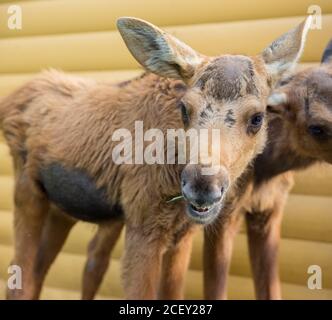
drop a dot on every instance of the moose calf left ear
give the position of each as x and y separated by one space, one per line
283 54
327 55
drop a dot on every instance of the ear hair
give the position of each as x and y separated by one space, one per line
277 98
327 55
283 54
276 104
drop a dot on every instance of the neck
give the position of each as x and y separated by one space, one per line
279 155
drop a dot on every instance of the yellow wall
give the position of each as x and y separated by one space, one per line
79 36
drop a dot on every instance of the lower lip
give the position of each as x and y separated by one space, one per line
204 217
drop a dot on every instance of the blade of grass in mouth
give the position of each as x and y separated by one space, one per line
177 198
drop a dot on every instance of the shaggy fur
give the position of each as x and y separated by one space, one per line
43 124
59 130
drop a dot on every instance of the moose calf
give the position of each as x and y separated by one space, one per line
60 129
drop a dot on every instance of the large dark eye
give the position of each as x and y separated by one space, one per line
317 131
185 115
255 122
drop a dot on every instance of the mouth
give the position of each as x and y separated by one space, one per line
203 215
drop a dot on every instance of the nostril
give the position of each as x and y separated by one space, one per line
183 182
222 190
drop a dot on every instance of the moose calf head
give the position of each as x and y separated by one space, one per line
304 100
228 93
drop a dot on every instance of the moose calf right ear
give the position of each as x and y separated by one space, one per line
327 55
283 54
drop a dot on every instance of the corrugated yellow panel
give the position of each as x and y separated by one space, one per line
316 180
308 218
105 50
6 227
14 1
6 192
71 16
5 162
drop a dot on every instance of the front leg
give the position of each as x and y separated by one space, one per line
218 248
263 230
174 267
142 263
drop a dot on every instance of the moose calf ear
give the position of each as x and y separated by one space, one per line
327 55
158 51
277 102
283 54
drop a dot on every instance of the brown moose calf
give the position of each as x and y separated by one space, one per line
60 131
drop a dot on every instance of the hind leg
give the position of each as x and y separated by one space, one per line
55 232
99 252
31 207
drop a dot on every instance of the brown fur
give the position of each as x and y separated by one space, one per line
57 119
49 129
233 84
49 114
